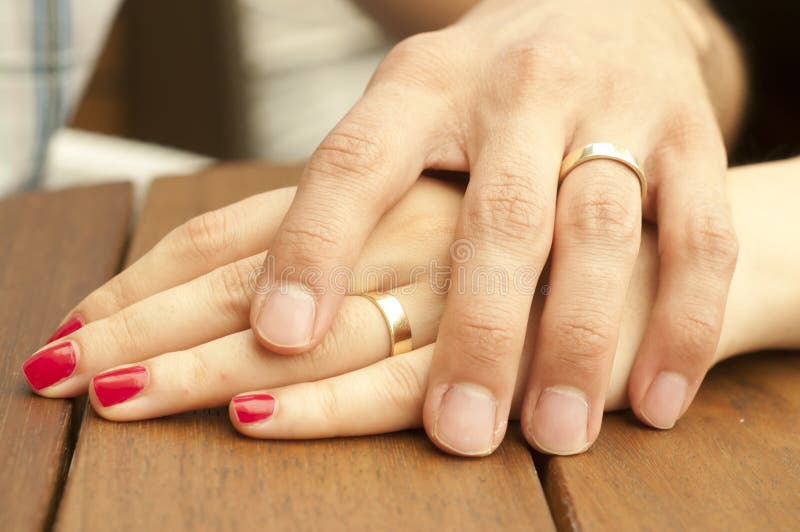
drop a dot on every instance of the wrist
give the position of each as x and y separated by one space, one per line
763 310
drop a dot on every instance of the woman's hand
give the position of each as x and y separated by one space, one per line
505 93
171 332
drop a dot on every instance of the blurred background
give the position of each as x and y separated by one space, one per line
217 76
190 74
192 81
232 79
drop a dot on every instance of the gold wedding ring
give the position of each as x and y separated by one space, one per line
396 320
603 150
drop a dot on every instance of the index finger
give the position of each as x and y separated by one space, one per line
359 171
192 249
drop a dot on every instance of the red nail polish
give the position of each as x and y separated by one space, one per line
119 385
50 365
68 327
253 407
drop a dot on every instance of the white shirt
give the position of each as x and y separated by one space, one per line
305 64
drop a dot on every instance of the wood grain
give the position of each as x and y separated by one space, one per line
732 463
56 247
193 472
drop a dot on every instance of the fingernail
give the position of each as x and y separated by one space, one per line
559 421
68 327
119 385
287 317
466 421
664 400
50 365
253 407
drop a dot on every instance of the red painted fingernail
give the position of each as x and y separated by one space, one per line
50 365
253 407
119 385
68 327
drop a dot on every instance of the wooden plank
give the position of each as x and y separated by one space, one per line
732 463
56 247
193 472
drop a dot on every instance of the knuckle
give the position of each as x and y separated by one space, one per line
689 123
484 341
116 293
415 47
350 151
328 400
535 71
712 237
309 240
602 212
340 339
206 235
419 60
230 285
582 342
199 371
127 329
507 206
405 385
697 332
320 357
690 130
538 59
531 57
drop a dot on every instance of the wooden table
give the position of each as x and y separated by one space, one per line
732 463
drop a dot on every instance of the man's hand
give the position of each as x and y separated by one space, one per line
505 93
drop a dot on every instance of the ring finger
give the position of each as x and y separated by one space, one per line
210 374
205 308
597 235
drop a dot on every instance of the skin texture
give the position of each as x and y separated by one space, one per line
505 93
723 68
190 348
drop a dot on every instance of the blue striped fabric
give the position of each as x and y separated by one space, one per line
52 46
47 52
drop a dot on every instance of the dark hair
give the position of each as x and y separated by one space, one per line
770 36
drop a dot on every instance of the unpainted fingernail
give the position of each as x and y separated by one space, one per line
466 420
253 407
663 402
559 421
286 318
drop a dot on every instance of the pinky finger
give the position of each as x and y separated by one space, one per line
384 397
